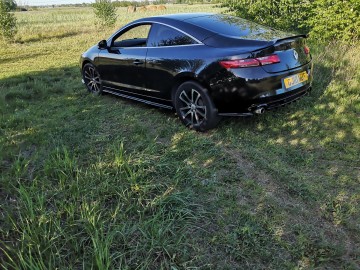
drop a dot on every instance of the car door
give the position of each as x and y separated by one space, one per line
122 66
170 52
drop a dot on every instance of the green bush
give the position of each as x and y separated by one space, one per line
7 21
105 13
324 19
281 14
338 20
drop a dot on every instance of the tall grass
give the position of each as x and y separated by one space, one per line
101 217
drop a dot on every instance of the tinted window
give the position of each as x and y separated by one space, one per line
235 27
161 35
134 37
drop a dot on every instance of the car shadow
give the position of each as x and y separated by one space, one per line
47 110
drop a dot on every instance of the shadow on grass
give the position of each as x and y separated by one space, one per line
312 145
42 36
62 149
21 57
53 107
51 125
312 130
307 154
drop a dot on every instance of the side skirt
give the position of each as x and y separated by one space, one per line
236 114
116 93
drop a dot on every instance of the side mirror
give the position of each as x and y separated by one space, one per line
103 44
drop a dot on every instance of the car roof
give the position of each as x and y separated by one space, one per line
220 30
179 21
179 16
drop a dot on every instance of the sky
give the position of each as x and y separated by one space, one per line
50 2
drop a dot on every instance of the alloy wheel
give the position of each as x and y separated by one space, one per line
92 79
193 109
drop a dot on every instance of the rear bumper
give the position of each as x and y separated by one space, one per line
245 90
262 106
285 100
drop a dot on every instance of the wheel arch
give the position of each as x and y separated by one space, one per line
184 77
86 61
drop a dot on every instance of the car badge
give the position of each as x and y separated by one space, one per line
296 55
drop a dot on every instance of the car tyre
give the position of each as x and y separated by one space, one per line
194 106
92 79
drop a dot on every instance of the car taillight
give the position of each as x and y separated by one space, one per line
306 50
251 62
240 63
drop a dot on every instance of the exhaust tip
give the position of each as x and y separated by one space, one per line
260 110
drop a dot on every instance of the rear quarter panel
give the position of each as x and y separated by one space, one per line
165 65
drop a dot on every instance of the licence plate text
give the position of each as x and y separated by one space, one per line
295 79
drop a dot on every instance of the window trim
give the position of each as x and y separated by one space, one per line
124 30
194 41
133 25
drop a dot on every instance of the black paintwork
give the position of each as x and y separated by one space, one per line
152 74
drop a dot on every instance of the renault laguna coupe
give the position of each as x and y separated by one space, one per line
202 65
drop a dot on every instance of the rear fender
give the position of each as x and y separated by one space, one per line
186 76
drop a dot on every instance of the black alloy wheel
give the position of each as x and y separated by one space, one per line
194 107
92 79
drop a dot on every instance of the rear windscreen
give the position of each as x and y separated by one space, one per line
236 27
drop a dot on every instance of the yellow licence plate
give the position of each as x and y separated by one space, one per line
296 79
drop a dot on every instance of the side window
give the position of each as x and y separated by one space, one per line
162 35
134 37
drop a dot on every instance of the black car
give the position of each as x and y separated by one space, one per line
203 65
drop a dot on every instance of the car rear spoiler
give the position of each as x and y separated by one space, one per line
273 42
291 37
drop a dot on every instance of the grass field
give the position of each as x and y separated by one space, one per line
93 182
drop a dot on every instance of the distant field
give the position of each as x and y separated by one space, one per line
104 183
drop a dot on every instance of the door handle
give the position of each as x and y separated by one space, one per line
138 62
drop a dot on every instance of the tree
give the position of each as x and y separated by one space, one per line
7 21
105 12
10 5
